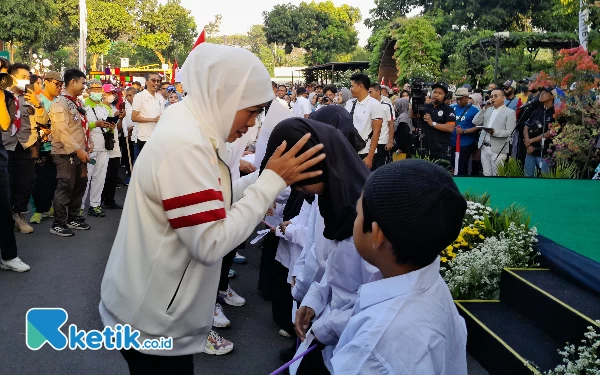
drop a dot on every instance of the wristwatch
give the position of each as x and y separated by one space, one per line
434 124
464 131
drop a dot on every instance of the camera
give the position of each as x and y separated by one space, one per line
326 99
6 81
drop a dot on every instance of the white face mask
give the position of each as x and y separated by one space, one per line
110 99
96 96
21 83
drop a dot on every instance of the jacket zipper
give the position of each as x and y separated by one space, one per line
178 285
230 179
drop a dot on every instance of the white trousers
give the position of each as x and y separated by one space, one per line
491 161
96 178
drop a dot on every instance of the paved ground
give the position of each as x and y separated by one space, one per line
66 272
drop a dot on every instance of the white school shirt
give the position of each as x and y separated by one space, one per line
364 113
277 217
150 106
302 107
333 297
384 137
127 122
293 241
404 325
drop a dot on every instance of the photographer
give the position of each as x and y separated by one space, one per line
21 142
329 97
367 116
110 98
8 244
438 123
537 136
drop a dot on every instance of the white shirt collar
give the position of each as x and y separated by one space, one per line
499 108
364 101
378 290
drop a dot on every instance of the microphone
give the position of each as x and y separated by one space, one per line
529 103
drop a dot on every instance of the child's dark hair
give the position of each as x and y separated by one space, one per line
409 198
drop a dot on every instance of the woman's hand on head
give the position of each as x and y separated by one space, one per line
291 167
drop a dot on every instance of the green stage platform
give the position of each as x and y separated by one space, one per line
565 211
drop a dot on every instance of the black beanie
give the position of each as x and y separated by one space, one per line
418 207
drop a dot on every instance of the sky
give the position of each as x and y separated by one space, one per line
239 15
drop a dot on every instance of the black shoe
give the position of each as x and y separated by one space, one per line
62 231
287 355
78 224
113 206
96 211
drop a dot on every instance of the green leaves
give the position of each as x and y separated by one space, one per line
418 50
322 29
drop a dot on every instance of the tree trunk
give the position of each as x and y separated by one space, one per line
11 50
30 56
160 57
94 61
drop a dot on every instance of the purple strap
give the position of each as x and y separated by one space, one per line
280 370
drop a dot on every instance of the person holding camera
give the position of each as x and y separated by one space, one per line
101 133
537 135
71 145
8 243
329 95
21 142
111 98
438 123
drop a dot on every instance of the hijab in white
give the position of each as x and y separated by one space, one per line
221 80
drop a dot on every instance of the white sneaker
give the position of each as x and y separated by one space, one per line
217 345
230 297
15 264
220 320
283 333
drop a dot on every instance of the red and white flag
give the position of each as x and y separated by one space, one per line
175 73
457 154
201 39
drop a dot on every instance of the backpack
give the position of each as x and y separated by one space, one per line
357 140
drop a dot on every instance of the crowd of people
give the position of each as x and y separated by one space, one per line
346 254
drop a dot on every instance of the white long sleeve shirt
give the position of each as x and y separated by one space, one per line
293 241
334 296
403 325
178 222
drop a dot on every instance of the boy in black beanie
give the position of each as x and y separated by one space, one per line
405 321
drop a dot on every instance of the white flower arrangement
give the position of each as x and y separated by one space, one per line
584 360
475 274
475 211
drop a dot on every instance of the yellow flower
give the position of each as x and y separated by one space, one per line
463 243
482 237
456 246
449 248
444 260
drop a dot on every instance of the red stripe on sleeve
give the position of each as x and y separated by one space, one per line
192 199
199 218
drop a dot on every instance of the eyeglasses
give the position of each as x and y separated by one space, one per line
496 96
154 80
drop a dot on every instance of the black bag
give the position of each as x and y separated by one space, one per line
356 140
109 140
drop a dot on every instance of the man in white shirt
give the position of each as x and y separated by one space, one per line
386 139
498 125
128 125
280 93
367 115
147 108
302 106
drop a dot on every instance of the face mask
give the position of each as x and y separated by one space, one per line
96 96
21 83
110 98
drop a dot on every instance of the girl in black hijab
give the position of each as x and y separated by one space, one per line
344 173
340 119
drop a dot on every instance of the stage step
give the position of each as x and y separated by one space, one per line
538 312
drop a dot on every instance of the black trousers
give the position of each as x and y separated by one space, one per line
144 364
225 266
267 258
141 144
313 363
464 157
8 243
21 174
45 182
281 304
71 181
126 156
380 157
110 183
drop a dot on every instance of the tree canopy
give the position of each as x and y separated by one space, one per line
322 29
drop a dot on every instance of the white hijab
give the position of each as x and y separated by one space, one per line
220 80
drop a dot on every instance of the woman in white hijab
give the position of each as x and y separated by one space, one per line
180 218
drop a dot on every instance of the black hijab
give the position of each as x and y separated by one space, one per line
344 173
339 118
